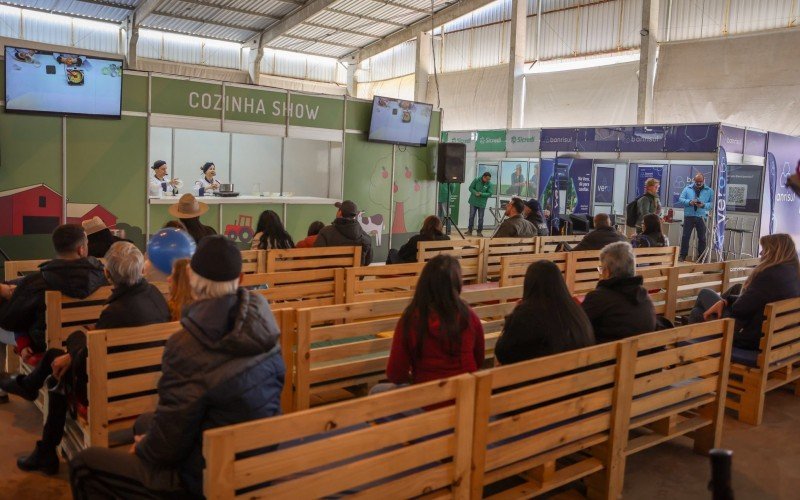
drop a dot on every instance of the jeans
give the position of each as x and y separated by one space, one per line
472 211
690 223
6 338
705 299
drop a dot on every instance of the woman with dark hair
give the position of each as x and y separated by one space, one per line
651 235
207 181
313 231
270 233
546 321
189 210
432 230
438 335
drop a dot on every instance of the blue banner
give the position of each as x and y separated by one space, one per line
772 173
693 138
580 174
782 157
558 139
755 143
644 172
720 213
732 139
681 176
604 185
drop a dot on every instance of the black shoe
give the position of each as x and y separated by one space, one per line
42 459
11 385
3 398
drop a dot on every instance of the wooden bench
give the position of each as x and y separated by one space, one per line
513 268
547 244
411 442
253 261
310 287
381 282
716 276
14 269
497 248
302 259
469 253
582 274
775 364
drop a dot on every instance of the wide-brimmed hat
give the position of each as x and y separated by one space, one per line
188 207
93 225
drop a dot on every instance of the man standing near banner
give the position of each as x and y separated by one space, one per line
480 191
697 199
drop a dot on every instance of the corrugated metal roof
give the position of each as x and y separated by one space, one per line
78 9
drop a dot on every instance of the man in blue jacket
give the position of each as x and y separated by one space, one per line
697 199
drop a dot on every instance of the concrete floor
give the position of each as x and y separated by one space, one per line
766 458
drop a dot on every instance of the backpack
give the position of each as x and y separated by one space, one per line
632 212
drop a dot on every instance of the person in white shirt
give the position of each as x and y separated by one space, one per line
207 182
160 181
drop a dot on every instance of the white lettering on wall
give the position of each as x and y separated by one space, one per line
250 105
193 98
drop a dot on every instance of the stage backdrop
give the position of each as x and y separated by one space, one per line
781 207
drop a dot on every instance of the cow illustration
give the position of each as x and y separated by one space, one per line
372 224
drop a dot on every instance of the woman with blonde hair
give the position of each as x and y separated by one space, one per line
777 277
180 291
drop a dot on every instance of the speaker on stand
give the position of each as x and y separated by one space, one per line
450 165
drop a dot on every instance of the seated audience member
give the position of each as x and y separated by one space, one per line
133 302
189 210
224 367
163 249
346 231
777 277
438 335
176 224
313 231
602 235
72 273
515 225
651 235
100 237
180 291
546 321
619 307
432 230
270 233
533 213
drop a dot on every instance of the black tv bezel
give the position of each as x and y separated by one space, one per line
61 113
381 141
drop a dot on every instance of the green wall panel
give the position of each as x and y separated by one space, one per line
233 214
358 114
134 93
186 98
255 105
30 150
298 218
314 111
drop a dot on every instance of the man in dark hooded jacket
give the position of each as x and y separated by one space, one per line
620 306
346 231
224 367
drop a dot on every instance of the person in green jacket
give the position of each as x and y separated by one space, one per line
480 191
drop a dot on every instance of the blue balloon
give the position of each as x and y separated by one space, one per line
167 246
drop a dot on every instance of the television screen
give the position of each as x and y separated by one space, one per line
400 122
62 83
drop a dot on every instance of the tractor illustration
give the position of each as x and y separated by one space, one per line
243 231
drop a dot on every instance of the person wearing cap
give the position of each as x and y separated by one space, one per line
207 182
223 367
100 237
189 210
346 231
480 191
160 181
533 213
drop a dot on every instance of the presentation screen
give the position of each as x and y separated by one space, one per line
61 83
396 121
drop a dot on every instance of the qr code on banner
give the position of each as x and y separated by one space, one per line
737 195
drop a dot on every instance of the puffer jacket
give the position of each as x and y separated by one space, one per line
619 308
224 367
598 238
516 226
346 232
24 313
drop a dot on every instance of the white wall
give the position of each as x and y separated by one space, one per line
471 100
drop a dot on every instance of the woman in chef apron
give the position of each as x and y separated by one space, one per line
207 181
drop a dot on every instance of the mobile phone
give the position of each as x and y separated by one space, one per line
50 69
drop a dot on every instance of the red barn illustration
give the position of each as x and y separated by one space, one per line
37 209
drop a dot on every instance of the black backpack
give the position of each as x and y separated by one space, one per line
632 212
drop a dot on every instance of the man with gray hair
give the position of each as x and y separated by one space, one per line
133 302
619 307
223 367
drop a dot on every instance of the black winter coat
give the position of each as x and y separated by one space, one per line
599 238
24 313
346 232
770 285
408 252
619 308
224 367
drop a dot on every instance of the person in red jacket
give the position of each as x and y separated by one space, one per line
438 335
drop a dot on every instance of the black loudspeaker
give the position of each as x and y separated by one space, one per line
452 158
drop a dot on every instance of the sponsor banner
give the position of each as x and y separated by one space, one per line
604 185
744 188
755 143
682 176
491 141
559 139
467 138
523 140
580 174
783 152
721 206
692 138
644 172
643 139
601 140
732 139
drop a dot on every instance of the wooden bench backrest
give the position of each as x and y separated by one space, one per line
468 252
113 354
301 259
253 261
381 282
513 268
384 446
14 269
529 414
780 343
317 287
547 244
497 248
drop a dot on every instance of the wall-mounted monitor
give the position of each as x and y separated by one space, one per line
397 121
62 83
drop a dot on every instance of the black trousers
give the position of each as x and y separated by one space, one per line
97 473
57 402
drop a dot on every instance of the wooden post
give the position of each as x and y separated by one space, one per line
339 285
571 269
261 261
726 276
673 275
711 436
483 396
465 419
97 364
219 481
483 260
350 280
302 390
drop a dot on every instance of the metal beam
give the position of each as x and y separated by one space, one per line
366 18
406 7
204 21
297 17
319 40
341 30
143 10
105 3
225 8
443 16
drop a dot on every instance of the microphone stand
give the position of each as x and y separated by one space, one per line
447 219
497 228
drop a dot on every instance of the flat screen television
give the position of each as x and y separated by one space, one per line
397 121
62 83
